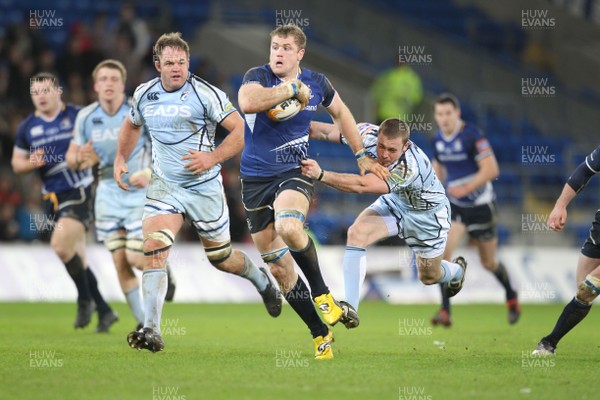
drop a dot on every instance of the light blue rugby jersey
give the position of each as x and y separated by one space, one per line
179 121
413 184
93 123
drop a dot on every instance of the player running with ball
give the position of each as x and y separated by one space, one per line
275 194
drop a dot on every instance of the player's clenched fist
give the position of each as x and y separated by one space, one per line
557 218
367 163
303 94
311 168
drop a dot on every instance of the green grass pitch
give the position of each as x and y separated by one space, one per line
236 351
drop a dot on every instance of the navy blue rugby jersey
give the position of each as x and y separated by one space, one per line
54 137
271 147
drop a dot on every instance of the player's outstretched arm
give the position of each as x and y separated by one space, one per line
324 131
254 98
347 126
128 137
351 183
232 145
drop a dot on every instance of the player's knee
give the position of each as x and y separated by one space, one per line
428 278
218 255
157 244
588 290
289 224
63 248
489 263
134 252
115 241
357 235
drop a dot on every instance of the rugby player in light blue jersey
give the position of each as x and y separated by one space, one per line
465 163
118 215
413 206
275 194
42 142
181 112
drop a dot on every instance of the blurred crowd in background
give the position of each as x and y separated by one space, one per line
25 51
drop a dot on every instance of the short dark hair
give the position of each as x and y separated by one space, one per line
448 98
172 39
395 127
293 30
44 76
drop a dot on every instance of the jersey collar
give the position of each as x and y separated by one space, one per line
62 108
459 128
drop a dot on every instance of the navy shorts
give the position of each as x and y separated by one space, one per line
258 195
480 220
75 203
591 247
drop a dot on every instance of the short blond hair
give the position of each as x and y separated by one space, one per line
112 64
172 39
393 128
293 30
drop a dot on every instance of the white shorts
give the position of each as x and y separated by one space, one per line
116 209
204 205
425 232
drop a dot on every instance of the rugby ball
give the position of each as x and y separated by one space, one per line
285 110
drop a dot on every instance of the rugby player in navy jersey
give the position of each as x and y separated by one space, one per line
464 161
42 142
181 112
275 194
588 266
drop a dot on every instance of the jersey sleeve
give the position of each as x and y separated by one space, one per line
403 175
593 161
326 88
79 137
479 146
217 102
256 75
22 140
135 115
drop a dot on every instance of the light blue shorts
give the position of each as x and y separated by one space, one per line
425 232
204 205
116 209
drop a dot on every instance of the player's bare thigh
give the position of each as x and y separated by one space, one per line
368 228
170 223
587 265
